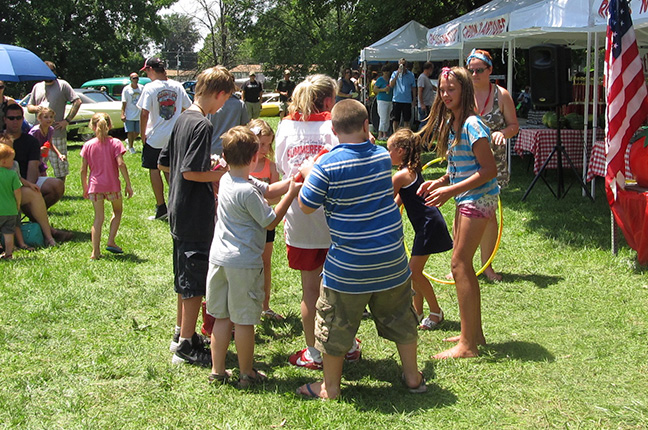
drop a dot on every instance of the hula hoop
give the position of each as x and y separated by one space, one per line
497 242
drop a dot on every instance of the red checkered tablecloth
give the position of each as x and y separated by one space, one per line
540 143
596 165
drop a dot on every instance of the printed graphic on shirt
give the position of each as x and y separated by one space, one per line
167 102
136 97
298 154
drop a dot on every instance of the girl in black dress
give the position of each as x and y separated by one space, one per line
431 232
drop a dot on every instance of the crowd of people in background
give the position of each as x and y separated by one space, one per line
324 174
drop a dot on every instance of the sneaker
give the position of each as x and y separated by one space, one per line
203 342
175 342
160 212
186 353
354 354
300 359
132 150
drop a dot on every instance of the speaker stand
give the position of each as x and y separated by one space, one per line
558 149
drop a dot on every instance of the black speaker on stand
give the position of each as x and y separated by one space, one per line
551 87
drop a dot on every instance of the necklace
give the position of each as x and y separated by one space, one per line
490 91
202 111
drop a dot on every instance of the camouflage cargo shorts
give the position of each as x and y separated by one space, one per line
339 315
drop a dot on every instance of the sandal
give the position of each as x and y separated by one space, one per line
429 324
422 388
5 256
25 247
247 381
220 379
272 315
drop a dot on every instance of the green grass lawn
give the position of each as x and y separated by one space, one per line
85 343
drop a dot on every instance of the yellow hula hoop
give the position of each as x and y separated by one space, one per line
497 243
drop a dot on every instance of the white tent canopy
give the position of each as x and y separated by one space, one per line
409 42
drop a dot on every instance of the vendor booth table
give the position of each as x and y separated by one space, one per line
541 141
596 166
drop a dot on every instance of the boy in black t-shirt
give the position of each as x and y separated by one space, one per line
192 209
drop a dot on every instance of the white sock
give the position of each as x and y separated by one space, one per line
313 353
184 338
176 330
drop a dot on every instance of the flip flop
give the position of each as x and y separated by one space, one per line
310 395
115 249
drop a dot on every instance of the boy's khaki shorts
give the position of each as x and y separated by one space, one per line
339 315
236 294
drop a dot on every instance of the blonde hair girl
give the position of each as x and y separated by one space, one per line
103 158
266 171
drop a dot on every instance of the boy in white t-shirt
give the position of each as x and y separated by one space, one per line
235 290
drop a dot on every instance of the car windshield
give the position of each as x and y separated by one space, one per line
94 97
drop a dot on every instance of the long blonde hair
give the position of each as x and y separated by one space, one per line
308 97
261 128
100 123
441 118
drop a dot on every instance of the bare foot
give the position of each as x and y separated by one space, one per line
5 256
481 341
314 390
50 242
490 274
95 257
457 351
25 247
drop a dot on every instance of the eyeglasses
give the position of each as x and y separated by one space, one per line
478 71
13 118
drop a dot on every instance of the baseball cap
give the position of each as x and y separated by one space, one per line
251 73
153 62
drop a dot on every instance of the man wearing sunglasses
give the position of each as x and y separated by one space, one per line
28 156
55 94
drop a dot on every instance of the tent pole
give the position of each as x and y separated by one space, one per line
509 87
588 63
595 96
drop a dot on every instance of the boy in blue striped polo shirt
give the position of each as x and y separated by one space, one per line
366 263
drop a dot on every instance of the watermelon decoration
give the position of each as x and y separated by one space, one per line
639 161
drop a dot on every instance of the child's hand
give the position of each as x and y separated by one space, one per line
294 187
128 190
426 188
438 196
62 157
85 193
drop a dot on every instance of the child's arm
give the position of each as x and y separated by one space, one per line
277 189
60 156
400 179
284 204
18 196
274 178
427 186
84 177
207 176
487 171
124 171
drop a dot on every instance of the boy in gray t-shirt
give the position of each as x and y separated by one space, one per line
235 279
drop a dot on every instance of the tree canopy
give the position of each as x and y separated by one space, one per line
86 39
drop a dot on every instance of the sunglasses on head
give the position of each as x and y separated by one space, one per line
478 70
13 118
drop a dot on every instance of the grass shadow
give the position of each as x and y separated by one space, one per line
515 350
540 281
126 256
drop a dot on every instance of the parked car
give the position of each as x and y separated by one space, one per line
270 104
190 88
114 86
92 101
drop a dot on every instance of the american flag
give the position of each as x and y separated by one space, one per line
627 99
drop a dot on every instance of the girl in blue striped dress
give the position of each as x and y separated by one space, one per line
464 140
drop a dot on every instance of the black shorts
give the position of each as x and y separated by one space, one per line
190 266
150 157
270 236
401 109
